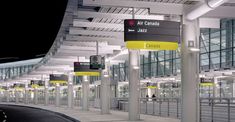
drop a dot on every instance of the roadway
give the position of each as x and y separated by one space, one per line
14 113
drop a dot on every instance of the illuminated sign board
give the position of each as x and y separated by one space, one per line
209 81
37 83
151 34
58 78
83 69
97 62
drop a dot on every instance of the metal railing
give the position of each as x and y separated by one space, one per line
211 109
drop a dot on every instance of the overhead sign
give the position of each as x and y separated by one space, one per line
151 85
19 86
3 88
37 83
209 81
58 78
97 62
83 69
151 34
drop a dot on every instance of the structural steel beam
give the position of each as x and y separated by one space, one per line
155 7
77 23
77 31
111 41
91 14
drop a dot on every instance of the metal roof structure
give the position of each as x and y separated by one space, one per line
87 22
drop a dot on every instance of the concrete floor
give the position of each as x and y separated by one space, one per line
93 115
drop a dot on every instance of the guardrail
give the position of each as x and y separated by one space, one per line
211 109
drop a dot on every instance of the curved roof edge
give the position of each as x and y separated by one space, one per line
20 63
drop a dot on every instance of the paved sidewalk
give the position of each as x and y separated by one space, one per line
94 115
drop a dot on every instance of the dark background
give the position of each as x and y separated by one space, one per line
29 27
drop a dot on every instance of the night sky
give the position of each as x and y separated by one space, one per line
29 27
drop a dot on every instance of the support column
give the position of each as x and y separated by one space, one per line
46 93
57 97
26 92
35 96
134 85
7 96
105 92
85 93
233 89
70 91
16 96
26 96
190 73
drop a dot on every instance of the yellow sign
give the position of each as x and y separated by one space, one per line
87 73
58 81
19 88
1 89
152 87
36 86
207 84
152 45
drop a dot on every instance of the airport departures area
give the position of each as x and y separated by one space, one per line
111 56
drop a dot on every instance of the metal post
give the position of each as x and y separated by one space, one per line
190 73
35 96
85 93
134 81
154 106
16 96
212 109
7 96
229 110
168 107
105 91
26 96
57 99
46 92
70 91
146 107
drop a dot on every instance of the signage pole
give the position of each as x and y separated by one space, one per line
190 73
85 93
16 96
46 92
57 90
70 90
7 94
105 90
134 81
26 93
35 96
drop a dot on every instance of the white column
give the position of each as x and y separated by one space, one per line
46 92
7 96
134 85
233 89
16 96
105 92
26 96
85 93
57 97
70 91
26 92
190 73
35 96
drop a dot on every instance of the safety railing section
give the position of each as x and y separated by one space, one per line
211 109
217 109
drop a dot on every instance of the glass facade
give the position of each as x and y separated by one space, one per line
217 52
